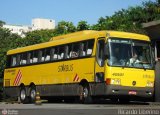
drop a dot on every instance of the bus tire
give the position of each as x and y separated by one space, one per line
23 95
85 96
32 94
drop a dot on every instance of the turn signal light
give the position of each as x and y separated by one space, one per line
150 84
108 81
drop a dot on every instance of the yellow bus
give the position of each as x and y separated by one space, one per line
86 64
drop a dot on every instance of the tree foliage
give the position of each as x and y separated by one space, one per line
1 23
38 36
8 41
130 19
82 25
64 27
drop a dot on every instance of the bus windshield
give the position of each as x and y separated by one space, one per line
130 53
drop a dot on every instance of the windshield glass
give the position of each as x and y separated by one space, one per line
130 53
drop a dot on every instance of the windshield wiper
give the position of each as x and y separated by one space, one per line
143 64
124 65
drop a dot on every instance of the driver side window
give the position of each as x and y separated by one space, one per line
100 52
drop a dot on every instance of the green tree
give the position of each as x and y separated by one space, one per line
1 23
8 41
64 27
82 25
130 19
38 36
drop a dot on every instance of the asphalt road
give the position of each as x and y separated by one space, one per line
80 109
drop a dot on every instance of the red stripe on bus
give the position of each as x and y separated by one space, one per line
76 78
18 75
18 78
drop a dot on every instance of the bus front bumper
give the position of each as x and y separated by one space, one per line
146 92
103 90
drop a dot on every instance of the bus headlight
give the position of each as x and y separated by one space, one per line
116 81
150 84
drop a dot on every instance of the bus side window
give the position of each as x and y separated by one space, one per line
35 56
18 59
55 56
61 52
29 57
47 55
66 48
23 59
82 49
68 53
52 53
9 61
75 50
100 52
90 44
13 60
41 55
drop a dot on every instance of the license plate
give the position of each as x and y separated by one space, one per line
132 93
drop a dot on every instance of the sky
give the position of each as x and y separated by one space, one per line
21 12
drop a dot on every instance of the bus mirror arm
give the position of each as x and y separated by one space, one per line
153 56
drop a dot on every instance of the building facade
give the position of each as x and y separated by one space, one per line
37 24
18 29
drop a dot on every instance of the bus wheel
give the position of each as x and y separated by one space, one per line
32 94
85 96
23 96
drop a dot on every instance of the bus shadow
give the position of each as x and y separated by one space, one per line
101 101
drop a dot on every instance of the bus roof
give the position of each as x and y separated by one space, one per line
78 36
75 34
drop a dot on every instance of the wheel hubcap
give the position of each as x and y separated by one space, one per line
33 93
85 92
23 94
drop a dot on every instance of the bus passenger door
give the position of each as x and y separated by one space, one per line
99 67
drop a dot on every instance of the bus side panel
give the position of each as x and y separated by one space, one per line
67 77
11 91
52 79
59 90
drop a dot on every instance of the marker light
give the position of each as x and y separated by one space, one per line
116 81
108 81
150 84
113 81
